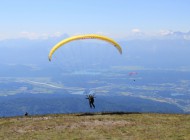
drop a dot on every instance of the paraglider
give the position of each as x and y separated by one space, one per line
90 97
133 74
79 37
91 100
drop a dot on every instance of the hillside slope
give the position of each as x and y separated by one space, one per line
96 126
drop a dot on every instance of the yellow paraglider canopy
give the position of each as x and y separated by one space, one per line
88 36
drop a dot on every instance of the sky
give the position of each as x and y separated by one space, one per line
117 18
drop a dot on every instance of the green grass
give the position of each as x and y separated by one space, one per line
96 126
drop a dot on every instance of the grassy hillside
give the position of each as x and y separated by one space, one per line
96 126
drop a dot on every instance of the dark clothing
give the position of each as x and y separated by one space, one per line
26 114
91 101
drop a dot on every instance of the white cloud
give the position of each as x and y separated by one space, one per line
35 35
29 35
174 34
165 32
136 31
56 34
186 37
98 32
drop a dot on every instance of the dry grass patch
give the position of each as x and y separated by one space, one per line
97 126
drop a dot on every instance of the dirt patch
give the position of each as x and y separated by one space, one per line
95 124
105 123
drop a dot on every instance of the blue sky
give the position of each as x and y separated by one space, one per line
114 17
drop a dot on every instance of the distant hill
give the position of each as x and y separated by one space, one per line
36 104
